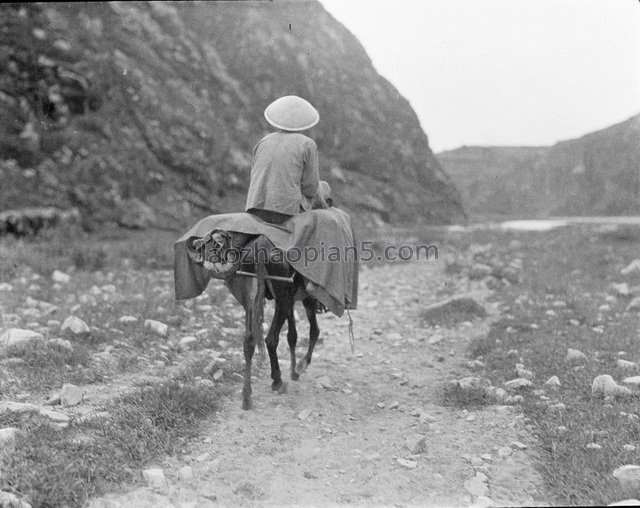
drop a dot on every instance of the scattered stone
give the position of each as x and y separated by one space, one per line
304 414
75 326
633 380
575 355
605 386
518 445
9 500
435 339
19 337
620 289
218 374
476 487
5 286
552 382
522 372
469 383
188 341
324 382
60 344
633 267
127 320
155 478
574 322
476 461
504 451
551 313
416 444
60 277
517 384
628 476
594 446
205 457
71 395
634 305
625 364
487 457
394 405
58 419
629 448
7 435
157 327
185 473
409 464
559 406
604 308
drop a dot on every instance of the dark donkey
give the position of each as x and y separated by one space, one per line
286 286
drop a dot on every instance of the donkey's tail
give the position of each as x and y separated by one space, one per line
257 312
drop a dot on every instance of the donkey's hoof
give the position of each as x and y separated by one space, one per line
301 367
283 388
276 386
294 375
246 404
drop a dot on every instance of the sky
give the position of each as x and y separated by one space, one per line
504 72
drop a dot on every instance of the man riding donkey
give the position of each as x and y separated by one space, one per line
288 210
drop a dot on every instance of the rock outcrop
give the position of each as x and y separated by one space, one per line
596 174
146 113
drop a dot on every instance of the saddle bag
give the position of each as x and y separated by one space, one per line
220 252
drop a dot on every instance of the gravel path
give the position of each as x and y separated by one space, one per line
349 432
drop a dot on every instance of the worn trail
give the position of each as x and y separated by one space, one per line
350 430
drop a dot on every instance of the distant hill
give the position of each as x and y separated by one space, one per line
144 114
596 174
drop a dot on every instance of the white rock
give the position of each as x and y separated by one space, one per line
71 395
629 447
304 414
154 478
75 326
628 476
505 451
516 384
476 487
625 364
60 277
633 380
594 446
518 445
9 500
157 327
575 355
60 344
188 341
185 473
7 435
469 383
409 464
620 289
218 374
633 267
605 386
5 286
626 502
552 382
324 382
522 372
127 319
416 444
559 406
634 305
19 337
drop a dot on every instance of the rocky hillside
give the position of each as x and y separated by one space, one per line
597 174
146 113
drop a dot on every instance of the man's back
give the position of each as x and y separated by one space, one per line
283 170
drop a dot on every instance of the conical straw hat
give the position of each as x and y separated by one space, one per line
291 113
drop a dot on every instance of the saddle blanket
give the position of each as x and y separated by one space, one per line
318 244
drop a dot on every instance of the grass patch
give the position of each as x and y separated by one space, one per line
50 467
559 305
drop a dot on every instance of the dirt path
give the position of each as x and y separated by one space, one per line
338 436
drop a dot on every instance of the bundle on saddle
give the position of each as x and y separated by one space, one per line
318 244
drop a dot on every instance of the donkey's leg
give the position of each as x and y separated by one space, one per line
283 302
292 339
249 347
314 333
